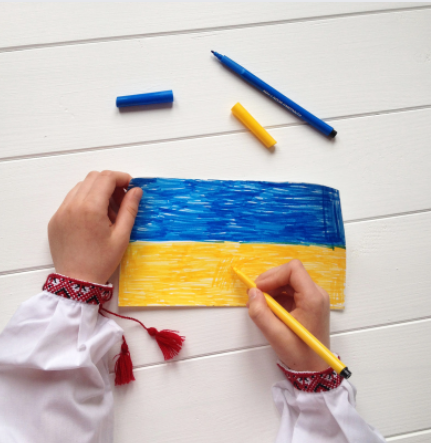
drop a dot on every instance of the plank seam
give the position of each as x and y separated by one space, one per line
370 219
389 216
248 348
359 115
22 48
29 269
203 136
388 325
200 356
399 437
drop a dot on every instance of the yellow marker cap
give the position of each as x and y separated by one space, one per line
249 122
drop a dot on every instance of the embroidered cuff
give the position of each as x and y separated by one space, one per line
84 292
312 381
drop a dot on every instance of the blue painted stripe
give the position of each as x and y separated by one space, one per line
238 211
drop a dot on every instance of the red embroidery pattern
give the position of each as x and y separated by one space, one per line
312 381
77 290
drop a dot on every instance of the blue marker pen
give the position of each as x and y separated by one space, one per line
311 119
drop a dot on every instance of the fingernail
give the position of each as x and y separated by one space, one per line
252 293
138 194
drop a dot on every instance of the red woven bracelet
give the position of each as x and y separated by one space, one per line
312 381
78 290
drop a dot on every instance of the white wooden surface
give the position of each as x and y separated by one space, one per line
414 437
228 398
28 26
366 67
66 94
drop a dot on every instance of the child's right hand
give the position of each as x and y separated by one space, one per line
291 285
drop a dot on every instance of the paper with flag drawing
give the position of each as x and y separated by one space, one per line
189 233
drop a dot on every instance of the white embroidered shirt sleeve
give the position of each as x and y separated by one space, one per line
324 415
54 376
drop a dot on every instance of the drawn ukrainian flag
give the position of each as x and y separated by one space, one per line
189 233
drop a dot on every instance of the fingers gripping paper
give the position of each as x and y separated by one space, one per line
189 233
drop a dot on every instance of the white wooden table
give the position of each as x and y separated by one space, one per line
365 68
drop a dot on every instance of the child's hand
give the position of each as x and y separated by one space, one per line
90 231
294 289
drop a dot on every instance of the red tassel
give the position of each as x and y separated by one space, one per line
124 366
169 341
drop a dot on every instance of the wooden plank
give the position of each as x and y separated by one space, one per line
416 437
378 280
387 267
16 289
228 397
379 166
63 98
37 24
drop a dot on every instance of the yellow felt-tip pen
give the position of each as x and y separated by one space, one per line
299 330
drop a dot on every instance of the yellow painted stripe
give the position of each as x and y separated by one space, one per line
200 273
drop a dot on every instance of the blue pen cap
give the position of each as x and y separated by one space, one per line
151 98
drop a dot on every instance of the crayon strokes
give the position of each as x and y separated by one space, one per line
200 273
189 233
238 211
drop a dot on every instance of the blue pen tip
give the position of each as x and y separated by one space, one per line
219 56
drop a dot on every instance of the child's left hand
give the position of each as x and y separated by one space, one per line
91 230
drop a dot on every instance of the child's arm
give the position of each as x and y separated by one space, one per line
315 404
54 378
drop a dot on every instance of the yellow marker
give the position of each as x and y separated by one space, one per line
248 121
300 331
